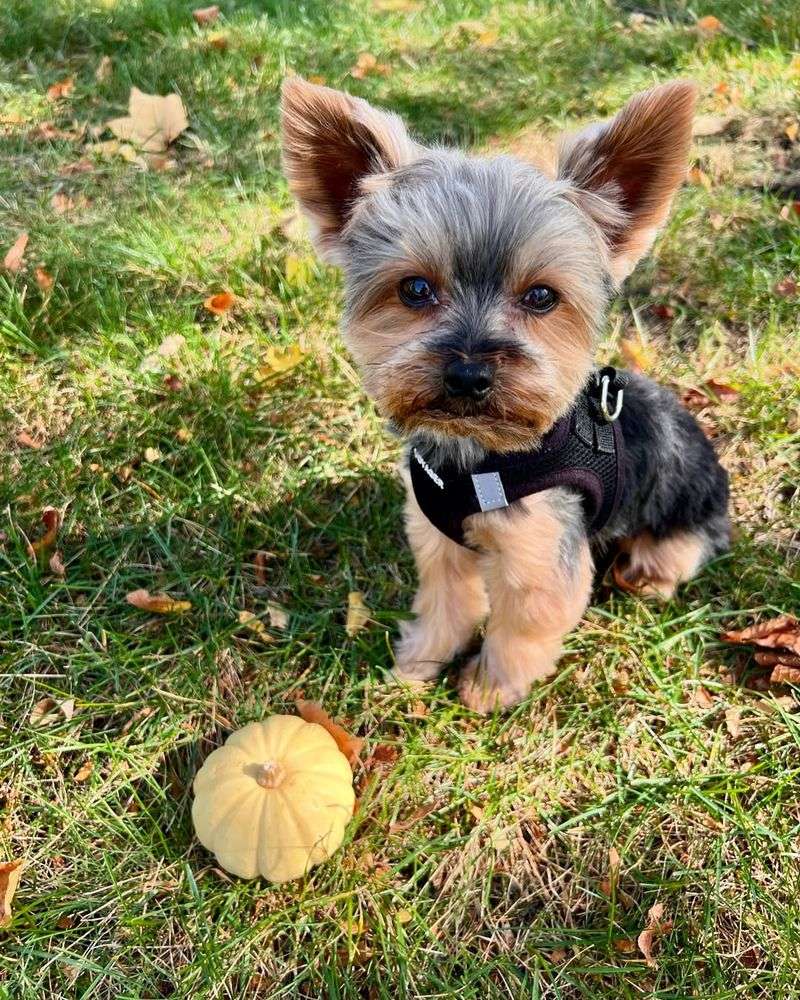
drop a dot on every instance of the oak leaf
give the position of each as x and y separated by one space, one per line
782 632
10 872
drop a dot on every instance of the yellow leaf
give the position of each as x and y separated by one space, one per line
84 771
278 360
160 604
638 355
13 259
357 613
255 625
153 122
403 917
61 89
791 131
184 435
10 872
297 269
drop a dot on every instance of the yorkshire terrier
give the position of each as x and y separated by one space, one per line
475 291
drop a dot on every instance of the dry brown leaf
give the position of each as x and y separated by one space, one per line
699 178
57 564
733 721
44 280
349 745
776 633
786 287
709 26
655 928
773 659
44 712
67 708
791 131
260 566
401 825
104 69
25 439
278 616
725 393
700 698
63 88
357 613
10 872
368 65
220 303
152 455
62 203
13 259
625 946
206 15
784 673
51 518
184 435
84 770
153 122
160 604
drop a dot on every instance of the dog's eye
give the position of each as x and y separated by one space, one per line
416 292
540 298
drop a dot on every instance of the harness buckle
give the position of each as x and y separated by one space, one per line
605 387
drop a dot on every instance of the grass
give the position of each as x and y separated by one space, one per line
479 863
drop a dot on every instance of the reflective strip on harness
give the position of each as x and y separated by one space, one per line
489 490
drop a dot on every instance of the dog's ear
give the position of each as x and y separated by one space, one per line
626 171
331 143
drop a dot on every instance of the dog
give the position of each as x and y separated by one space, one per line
475 289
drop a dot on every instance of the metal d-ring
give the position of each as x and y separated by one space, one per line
605 382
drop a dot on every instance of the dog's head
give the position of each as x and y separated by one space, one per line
476 286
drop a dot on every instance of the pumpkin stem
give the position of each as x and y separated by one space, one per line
270 774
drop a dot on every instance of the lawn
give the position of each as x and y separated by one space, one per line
515 856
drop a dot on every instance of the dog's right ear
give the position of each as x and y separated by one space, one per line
331 143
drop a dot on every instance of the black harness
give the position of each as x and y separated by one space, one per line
582 450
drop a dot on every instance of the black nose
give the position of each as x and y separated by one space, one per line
468 379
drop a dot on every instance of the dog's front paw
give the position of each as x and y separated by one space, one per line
418 655
484 694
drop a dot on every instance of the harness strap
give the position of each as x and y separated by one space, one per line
583 450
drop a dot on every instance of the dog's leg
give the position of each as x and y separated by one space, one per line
538 571
449 605
655 567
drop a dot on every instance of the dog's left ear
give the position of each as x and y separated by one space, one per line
625 172
332 142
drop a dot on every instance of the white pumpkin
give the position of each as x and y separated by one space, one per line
274 800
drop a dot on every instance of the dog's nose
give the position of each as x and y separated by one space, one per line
468 379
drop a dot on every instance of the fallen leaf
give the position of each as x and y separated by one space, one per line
707 125
152 455
773 659
699 178
44 712
625 946
298 268
726 393
206 15
63 88
717 221
791 131
349 745
733 723
10 872
401 825
83 166
62 203
278 616
160 604
709 25
171 345
278 360
153 122
25 439
57 564
357 613
655 928
786 287
784 673
184 435
700 698
218 41
67 708
220 303
51 518
403 916
621 681
104 69
44 280
260 566
84 771
13 259
367 65
255 625
638 355
780 632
